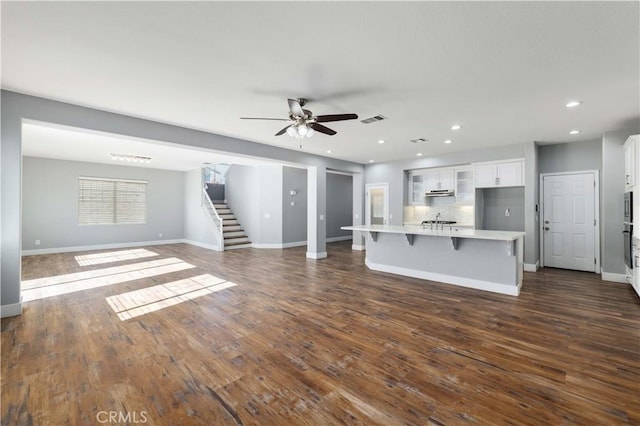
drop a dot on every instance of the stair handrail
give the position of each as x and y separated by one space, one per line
216 219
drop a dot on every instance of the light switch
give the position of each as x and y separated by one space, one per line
390 216
321 217
357 216
267 215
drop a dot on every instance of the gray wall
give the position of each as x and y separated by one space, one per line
50 205
339 204
197 226
254 194
270 204
241 190
495 201
294 218
570 157
611 198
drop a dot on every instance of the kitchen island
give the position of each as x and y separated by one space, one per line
484 260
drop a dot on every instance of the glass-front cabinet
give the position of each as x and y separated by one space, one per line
416 189
465 189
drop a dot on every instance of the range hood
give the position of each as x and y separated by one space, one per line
440 193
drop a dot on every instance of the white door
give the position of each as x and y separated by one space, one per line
510 174
447 179
432 180
377 210
569 221
485 175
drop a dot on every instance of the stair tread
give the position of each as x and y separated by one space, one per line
235 243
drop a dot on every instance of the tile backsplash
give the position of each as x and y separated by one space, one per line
463 215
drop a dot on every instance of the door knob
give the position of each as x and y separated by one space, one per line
546 228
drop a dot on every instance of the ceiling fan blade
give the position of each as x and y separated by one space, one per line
261 118
282 132
335 117
295 108
322 129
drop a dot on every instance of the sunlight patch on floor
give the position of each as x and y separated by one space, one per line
113 256
41 288
139 302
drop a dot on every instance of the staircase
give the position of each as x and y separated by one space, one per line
233 234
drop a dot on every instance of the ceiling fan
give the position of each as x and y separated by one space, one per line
302 121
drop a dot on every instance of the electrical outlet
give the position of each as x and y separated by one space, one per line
37 242
160 235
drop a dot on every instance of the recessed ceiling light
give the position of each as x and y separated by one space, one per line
573 104
371 161
329 151
574 132
419 154
380 141
456 127
448 141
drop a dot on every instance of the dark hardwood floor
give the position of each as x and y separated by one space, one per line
299 341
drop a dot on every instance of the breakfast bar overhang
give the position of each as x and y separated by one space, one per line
484 260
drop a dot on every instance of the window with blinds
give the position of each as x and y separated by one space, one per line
111 201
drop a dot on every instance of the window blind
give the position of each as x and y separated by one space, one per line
111 201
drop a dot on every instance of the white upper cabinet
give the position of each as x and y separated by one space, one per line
499 174
631 156
439 179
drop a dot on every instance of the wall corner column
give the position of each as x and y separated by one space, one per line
316 212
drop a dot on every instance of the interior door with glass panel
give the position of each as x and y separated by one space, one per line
377 204
569 221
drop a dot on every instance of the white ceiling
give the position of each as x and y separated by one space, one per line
504 70
67 143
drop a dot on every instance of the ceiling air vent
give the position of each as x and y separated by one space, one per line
418 140
373 119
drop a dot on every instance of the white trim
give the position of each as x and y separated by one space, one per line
279 245
316 255
532 267
613 277
12 310
357 247
511 290
202 245
338 172
340 238
596 202
367 206
101 247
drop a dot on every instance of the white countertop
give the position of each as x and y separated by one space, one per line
478 234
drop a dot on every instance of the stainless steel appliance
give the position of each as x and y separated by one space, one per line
440 193
628 229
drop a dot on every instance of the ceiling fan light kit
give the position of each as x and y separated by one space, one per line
304 123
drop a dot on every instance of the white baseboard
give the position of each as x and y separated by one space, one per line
532 267
511 290
357 247
340 238
616 278
311 255
298 243
202 245
99 247
12 310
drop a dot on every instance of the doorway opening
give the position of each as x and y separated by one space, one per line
377 204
